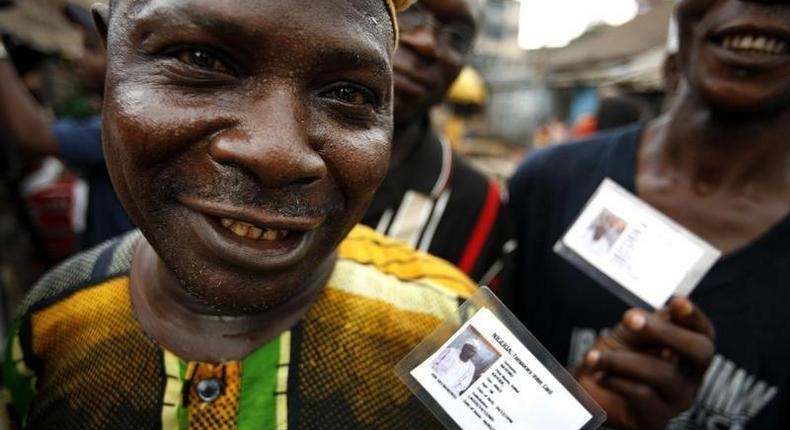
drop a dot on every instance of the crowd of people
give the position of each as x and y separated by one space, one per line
274 222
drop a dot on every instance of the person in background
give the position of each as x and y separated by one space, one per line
719 164
586 125
76 142
619 110
432 198
550 132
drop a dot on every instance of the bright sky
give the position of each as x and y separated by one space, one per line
554 23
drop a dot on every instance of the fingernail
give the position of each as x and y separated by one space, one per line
593 357
686 308
636 321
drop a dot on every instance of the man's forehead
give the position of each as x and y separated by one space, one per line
339 25
298 38
138 4
371 14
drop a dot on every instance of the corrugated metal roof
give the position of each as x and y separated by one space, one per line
41 24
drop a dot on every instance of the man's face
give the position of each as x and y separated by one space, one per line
735 53
246 138
435 38
467 352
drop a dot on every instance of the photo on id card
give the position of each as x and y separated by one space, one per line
635 251
486 371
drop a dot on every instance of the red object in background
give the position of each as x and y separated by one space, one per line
585 126
52 210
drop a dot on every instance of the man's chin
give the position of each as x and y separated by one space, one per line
409 109
745 105
242 298
747 94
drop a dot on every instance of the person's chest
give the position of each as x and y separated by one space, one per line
728 220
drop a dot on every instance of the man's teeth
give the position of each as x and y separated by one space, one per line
243 229
270 234
760 44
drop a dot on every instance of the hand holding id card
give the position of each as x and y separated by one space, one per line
486 372
635 251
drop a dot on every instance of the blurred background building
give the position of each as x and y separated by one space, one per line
546 66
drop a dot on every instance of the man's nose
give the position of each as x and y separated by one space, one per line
272 142
421 40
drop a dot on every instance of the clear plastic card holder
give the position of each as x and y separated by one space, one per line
610 284
633 250
516 383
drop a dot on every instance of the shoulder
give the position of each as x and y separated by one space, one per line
72 307
556 167
89 268
557 160
393 258
473 184
390 271
464 171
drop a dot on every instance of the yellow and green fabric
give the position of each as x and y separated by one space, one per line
78 359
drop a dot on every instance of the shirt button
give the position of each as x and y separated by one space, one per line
208 390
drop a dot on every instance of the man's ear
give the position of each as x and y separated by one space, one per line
101 17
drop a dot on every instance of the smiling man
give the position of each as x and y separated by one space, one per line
718 163
432 198
245 139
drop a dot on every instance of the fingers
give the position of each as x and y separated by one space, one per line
663 377
637 392
646 409
643 330
685 313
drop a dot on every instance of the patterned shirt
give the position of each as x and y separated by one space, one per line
78 359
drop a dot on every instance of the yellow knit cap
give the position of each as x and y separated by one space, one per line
395 6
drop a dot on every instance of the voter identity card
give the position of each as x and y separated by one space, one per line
486 371
633 250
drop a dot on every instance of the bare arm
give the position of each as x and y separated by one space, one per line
21 117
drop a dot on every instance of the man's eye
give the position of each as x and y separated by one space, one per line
351 95
203 59
460 42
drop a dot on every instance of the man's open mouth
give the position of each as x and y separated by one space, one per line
250 231
752 42
251 237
